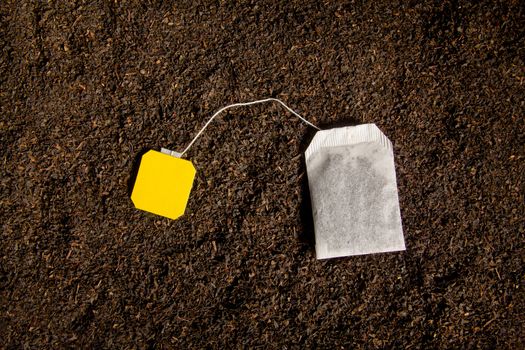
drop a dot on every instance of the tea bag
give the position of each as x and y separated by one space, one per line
353 190
352 183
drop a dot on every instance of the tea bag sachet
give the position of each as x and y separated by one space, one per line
351 177
352 182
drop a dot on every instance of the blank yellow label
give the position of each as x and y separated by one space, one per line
163 184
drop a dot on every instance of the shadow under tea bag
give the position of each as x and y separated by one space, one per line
353 189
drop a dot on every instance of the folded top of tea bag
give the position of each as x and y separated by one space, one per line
346 136
353 188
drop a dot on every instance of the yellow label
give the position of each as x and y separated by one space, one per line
163 184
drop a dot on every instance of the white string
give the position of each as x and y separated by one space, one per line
245 104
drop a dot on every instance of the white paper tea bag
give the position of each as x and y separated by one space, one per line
353 189
352 183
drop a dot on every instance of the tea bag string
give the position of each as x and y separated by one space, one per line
240 105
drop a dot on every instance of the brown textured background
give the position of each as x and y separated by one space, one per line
86 86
